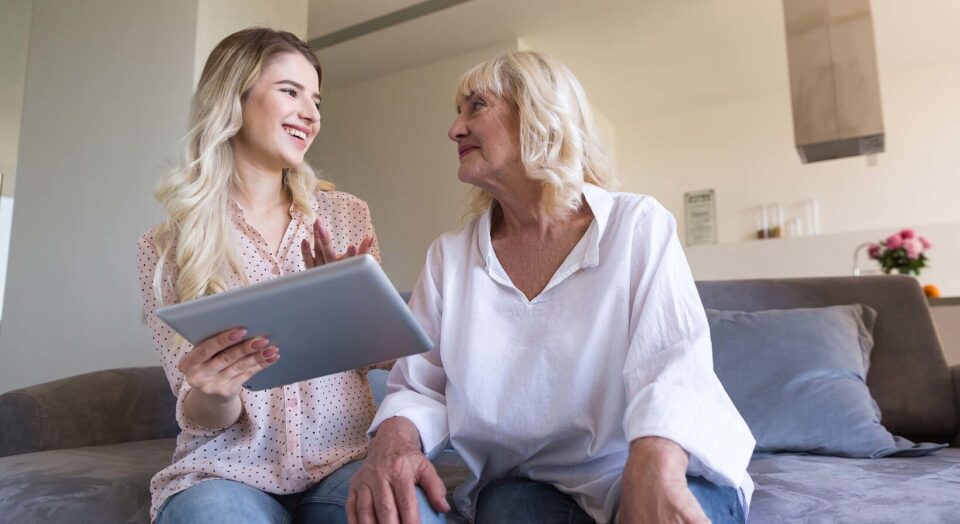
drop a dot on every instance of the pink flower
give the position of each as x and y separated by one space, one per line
873 251
913 247
894 241
907 233
926 243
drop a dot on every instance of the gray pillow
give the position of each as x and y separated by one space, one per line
798 377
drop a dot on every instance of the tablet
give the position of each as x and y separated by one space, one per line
332 318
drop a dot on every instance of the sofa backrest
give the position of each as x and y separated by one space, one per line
908 377
93 409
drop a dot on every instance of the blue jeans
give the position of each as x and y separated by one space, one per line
227 501
523 500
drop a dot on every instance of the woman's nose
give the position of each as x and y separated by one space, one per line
458 130
310 112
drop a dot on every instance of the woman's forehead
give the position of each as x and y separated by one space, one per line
293 66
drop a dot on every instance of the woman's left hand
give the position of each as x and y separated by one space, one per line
322 251
655 485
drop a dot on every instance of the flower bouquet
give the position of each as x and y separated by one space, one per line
903 251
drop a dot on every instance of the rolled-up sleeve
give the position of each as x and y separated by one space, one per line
671 388
416 385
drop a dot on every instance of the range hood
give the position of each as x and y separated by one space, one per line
834 86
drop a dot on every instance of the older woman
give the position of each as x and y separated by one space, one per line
572 367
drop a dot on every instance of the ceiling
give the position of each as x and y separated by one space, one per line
636 58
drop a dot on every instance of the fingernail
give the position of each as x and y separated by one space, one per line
235 336
260 343
270 351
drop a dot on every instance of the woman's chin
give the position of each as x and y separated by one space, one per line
468 177
293 161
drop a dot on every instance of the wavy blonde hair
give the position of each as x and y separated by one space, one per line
197 237
560 144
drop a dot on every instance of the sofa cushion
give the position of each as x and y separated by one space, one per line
91 484
801 488
909 377
798 377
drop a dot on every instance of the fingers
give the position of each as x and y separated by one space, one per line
433 486
307 253
385 506
251 364
323 249
407 506
261 363
366 514
366 245
205 350
352 517
228 357
323 243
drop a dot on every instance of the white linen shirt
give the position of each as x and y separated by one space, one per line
616 347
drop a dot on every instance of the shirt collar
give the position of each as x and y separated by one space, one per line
237 211
600 202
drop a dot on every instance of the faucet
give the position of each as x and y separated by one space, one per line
856 260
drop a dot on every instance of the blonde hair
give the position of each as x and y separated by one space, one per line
197 237
560 145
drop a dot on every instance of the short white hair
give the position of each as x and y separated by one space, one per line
559 142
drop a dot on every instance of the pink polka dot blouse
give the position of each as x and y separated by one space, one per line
286 438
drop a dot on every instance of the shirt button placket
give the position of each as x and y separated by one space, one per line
291 396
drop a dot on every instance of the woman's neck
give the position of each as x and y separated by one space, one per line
523 211
261 189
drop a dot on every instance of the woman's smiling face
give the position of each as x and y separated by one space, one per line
487 133
281 113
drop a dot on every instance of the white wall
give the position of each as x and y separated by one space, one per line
14 40
385 141
217 19
106 99
947 320
745 152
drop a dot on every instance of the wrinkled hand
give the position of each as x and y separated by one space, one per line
655 485
220 365
384 489
322 251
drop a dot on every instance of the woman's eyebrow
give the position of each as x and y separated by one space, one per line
297 85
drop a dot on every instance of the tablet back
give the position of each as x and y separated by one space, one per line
332 318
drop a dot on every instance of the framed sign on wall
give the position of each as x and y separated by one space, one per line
700 212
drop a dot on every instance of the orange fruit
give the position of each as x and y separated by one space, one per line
931 291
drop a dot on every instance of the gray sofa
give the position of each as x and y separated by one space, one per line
83 449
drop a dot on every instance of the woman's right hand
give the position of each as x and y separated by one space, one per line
216 370
383 490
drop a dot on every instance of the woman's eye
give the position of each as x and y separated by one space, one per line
290 92
317 105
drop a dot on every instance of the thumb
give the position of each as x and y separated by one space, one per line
433 486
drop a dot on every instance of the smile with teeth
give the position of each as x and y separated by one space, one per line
296 132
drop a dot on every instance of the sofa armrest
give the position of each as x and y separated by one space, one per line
103 407
955 372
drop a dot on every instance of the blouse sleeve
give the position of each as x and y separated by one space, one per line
169 345
370 232
671 388
416 386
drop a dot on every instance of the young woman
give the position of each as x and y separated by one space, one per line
243 207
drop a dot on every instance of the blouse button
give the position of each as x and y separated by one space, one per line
291 402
